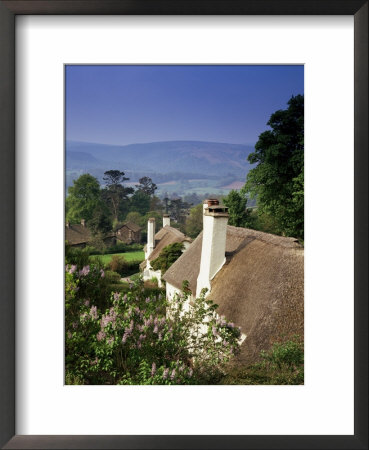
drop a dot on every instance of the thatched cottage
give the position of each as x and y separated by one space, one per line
77 235
156 242
128 233
256 278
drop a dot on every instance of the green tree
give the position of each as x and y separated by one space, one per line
178 209
140 202
236 203
100 221
115 193
146 185
278 179
134 217
83 199
194 221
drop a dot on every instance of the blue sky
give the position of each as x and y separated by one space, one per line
132 104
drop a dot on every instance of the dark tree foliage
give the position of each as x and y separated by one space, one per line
101 219
115 193
167 257
146 185
178 209
278 179
140 202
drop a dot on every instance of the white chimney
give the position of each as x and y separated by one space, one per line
214 235
166 220
150 236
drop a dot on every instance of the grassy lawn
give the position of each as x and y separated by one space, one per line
129 256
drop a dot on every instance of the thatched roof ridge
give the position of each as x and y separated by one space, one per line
77 234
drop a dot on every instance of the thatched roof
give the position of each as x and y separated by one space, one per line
132 226
166 236
77 234
260 287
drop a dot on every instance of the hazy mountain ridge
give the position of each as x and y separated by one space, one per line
212 158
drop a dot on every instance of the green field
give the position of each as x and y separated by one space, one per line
129 256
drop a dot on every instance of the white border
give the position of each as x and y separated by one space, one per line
325 404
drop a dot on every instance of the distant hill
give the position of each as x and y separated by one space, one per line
179 161
211 158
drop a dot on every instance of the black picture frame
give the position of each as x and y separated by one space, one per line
8 12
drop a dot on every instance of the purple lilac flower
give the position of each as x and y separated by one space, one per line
85 271
153 369
165 374
87 302
124 338
155 329
148 300
173 374
215 332
73 268
100 336
139 345
230 325
116 296
110 340
159 336
102 273
190 373
93 312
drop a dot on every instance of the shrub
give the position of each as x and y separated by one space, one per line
283 364
167 257
142 338
125 268
117 264
77 256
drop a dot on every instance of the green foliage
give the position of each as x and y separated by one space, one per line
236 203
140 202
278 179
115 194
283 364
120 265
134 217
146 186
141 338
83 199
77 256
121 247
167 257
194 221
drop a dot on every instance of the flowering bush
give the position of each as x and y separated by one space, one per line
140 337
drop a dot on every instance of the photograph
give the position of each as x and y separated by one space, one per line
184 224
